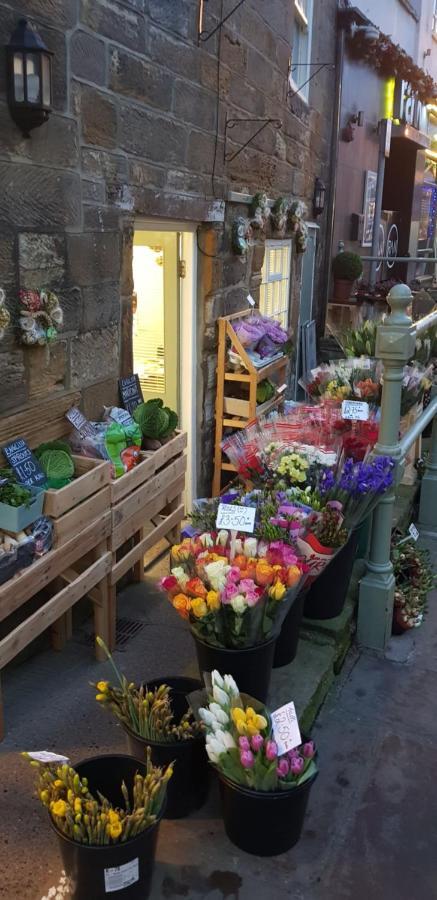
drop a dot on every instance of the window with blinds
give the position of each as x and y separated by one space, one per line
275 285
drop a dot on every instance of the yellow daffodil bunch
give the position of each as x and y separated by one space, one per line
148 714
338 391
87 820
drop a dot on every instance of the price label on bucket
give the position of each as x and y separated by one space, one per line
413 532
45 756
121 876
236 518
286 730
356 410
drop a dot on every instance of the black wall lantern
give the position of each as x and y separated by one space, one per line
319 197
29 78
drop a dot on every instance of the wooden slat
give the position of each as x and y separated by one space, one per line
144 494
236 376
141 548
40 422
89 480
229 467
72 523
154 506
266 371
26 584
21 636
153 461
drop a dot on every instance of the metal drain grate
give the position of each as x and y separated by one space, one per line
125 631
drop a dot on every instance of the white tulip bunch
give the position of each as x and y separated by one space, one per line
216 718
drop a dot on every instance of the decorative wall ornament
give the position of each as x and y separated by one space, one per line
40 317
390 60
241 234
259 211
5 316
279 214
297 224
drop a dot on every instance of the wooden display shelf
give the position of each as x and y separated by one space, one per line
237 412
79 562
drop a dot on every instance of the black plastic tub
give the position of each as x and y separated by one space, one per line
264 823
251 666
125 869
188 788
327 595
288 638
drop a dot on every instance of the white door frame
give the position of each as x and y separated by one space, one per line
188 339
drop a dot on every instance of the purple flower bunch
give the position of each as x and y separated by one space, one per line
289 767
359 486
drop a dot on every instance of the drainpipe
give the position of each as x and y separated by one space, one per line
384 128
339 61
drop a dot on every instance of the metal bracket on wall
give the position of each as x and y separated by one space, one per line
231 123
204 35
293 93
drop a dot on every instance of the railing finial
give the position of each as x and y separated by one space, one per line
399 299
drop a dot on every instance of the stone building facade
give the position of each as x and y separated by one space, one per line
137 130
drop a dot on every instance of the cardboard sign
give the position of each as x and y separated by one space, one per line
45 756
130 392
24 463
413 532
80 422
286 730
357 410
121 877
236 518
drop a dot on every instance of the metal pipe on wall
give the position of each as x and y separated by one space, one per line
335 138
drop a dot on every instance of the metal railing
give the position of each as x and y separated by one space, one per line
395 346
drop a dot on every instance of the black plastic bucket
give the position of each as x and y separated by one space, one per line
188 788
327 595
288 638
251 666
264 823
94 872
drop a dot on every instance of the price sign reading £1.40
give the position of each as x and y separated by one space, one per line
236 518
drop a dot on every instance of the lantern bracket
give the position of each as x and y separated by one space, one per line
205 35
320 66
231 123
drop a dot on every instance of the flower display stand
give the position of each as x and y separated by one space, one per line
233 412
79 562
146 506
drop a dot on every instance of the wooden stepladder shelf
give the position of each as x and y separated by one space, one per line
236 412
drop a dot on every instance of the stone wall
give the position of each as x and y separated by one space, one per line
134 133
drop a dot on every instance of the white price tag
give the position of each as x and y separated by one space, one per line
45 756
121 876
236 518
286 730
250 300
281 389
413 532
355 409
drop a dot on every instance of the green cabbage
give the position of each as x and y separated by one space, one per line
58 466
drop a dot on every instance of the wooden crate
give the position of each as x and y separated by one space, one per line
80 561
147 506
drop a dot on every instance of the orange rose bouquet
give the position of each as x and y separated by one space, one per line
235 593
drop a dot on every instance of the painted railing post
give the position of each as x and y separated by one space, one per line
428 491
394 346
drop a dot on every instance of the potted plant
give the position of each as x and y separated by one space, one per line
414 580
235 592
20 506
346 267
264 793
106 813
157 715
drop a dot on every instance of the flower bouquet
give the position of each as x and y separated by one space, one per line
414 580
106 813
264 791
157 715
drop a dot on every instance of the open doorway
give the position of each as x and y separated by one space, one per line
164 340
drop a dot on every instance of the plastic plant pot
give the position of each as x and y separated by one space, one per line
288 638
327 595
251 667
188 788
264 823
17 518
125 869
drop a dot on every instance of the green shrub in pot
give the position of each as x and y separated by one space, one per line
347 266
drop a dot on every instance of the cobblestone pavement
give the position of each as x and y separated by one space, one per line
370 828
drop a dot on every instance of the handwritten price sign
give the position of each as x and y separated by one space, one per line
24 463
236 518
286 730
357 410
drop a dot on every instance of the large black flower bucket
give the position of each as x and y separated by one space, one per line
327 595
288 638
251 667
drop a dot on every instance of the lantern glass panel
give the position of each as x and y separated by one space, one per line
46 80
33 80
18 78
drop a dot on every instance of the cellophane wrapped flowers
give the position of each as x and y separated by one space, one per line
241 745
93 820
235 593
148 714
